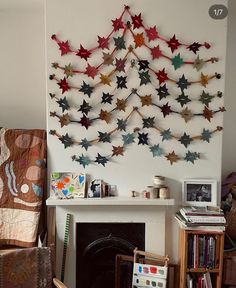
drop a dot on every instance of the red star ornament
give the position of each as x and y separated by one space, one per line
162 76
117 24
63 84
63 46
173 43
85 121
137 21
103 42
152 33
166 110
91 71
83 53
156 52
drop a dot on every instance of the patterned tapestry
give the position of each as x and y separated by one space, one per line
22 179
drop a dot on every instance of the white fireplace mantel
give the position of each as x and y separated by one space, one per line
113 201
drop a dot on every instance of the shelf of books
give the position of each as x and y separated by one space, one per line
201 248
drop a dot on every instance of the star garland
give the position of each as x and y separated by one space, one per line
146 100
118 24
117 79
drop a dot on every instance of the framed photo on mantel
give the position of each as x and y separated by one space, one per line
199 192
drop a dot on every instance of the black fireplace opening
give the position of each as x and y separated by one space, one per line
97 245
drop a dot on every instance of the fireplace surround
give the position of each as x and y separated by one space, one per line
151 213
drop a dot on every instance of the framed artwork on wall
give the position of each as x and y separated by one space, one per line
199 192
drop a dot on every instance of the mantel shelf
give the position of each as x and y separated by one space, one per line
115 201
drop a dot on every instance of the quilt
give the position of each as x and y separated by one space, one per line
22 182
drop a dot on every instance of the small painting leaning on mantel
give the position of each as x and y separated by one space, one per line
67 185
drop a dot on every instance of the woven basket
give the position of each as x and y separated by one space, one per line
231 221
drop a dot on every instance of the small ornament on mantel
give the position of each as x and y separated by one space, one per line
162 190
159 181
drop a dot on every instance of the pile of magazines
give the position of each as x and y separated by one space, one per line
204 218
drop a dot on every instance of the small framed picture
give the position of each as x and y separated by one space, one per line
199 192
95 189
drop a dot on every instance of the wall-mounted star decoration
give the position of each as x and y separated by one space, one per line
127 73
162 91
63 104
143 138
101 159
156 150
86 89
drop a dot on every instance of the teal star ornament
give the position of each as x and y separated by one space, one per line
128 138
156 150
84 160
191 157
206 135
166 134
177 61
85 144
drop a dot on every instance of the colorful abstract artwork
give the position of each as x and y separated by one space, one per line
68 185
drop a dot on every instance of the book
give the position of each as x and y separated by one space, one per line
206 219
207 278
187 225
200 211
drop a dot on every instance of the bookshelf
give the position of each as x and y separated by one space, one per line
201 255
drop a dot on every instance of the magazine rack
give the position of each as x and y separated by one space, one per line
150 275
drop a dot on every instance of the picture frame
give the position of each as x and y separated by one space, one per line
67 185
95 190
199 192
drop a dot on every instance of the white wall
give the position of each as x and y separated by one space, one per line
229 133
22 78
136 169
22 68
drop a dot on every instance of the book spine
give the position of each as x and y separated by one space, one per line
206 219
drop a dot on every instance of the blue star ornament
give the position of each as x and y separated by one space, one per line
156 150
104 137
101 160
166 134
121 124
185 140
84 160
85 144
128 138
191 156
206 135
183 83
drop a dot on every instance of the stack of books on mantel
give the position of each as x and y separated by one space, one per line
201 218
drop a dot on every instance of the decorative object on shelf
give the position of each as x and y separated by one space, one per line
164 192
159 181
95 189
111 76
199 192
150 190
68 185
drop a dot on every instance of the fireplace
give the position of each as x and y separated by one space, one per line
114 210
97 245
